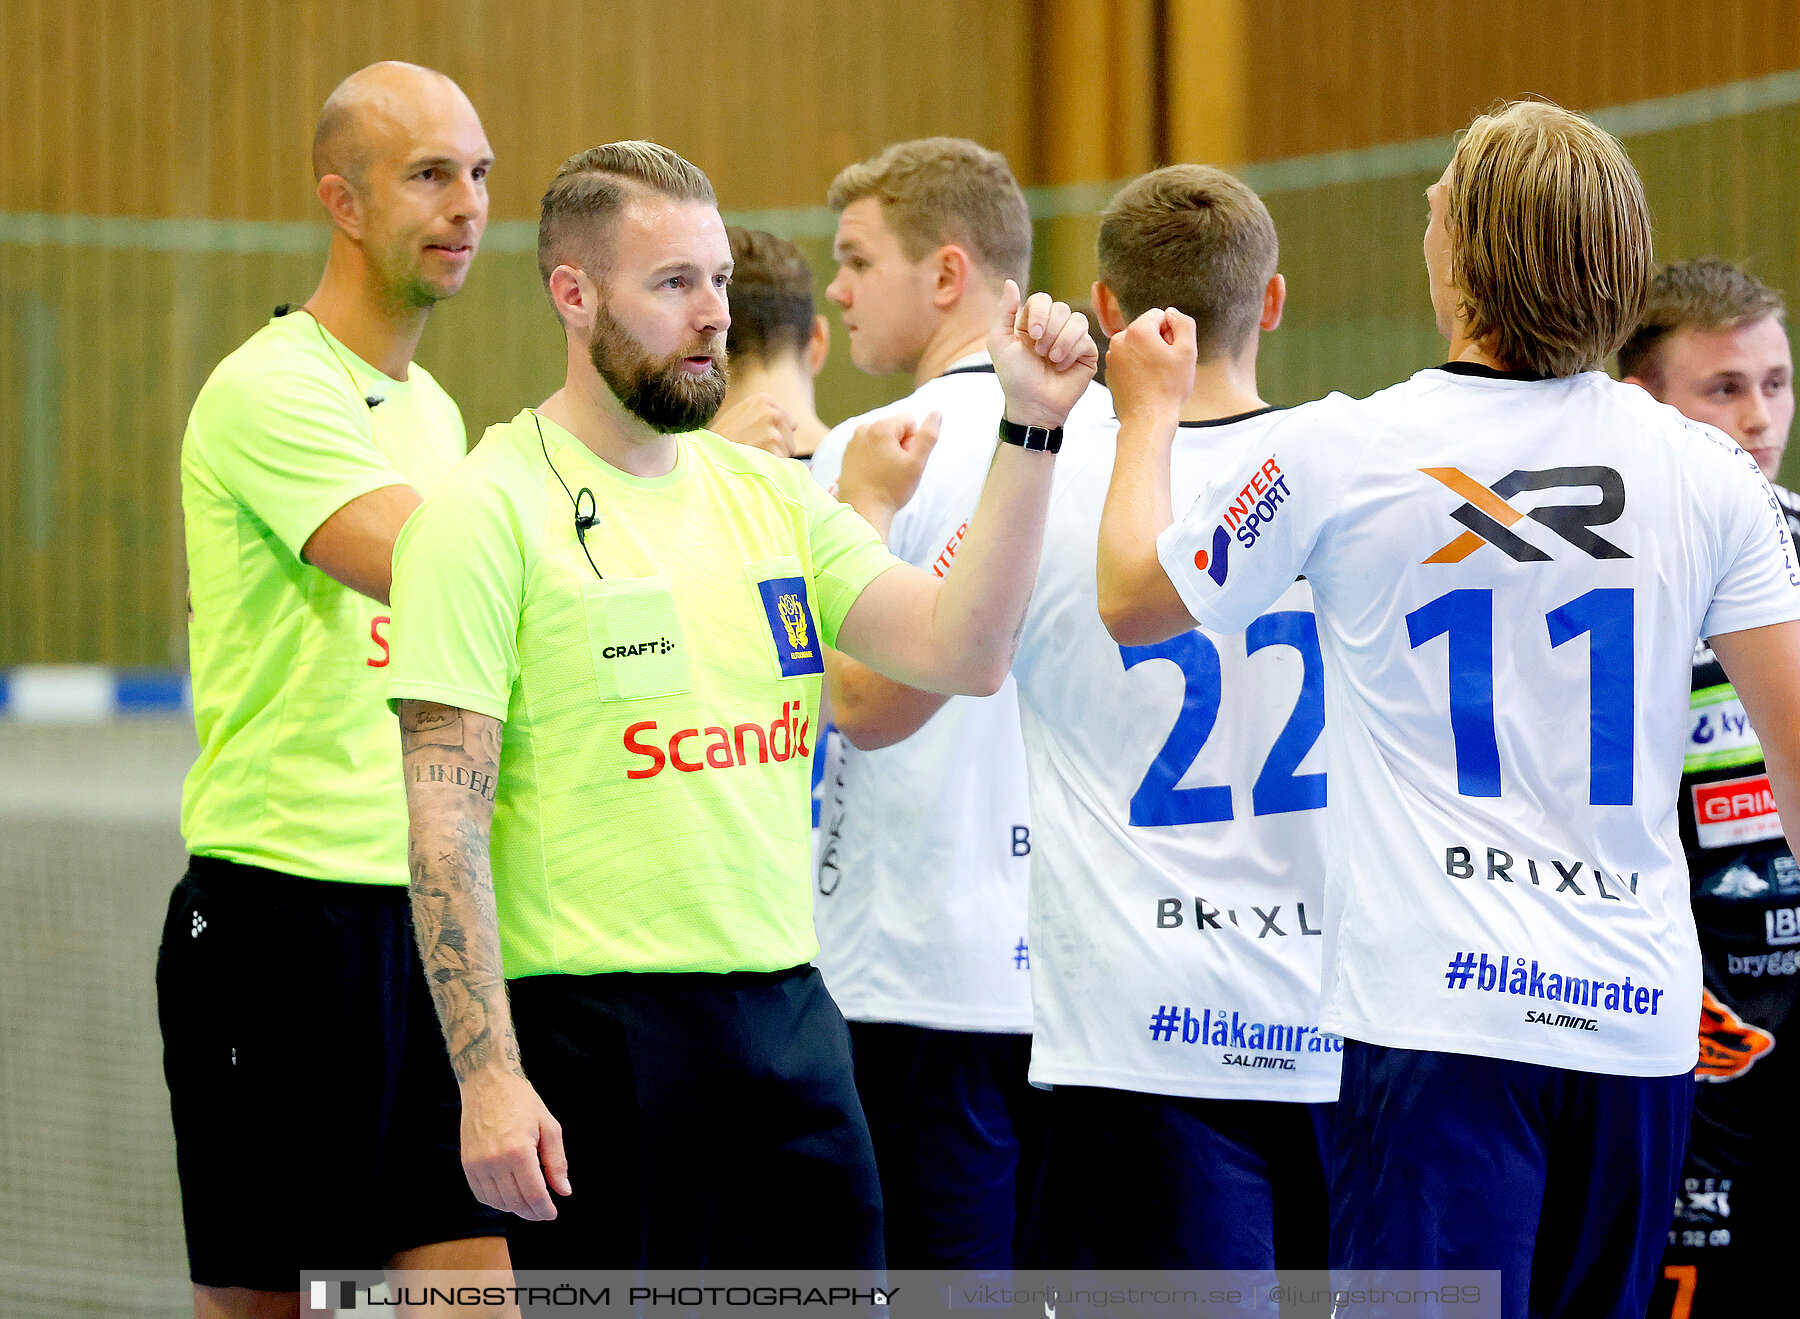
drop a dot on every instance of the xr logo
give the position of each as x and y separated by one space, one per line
1487 514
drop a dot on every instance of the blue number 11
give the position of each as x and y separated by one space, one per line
1465 618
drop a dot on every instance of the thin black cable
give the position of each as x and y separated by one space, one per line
582 521
369 400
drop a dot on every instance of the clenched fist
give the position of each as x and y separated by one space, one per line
1150 368
760 422
1044 357
883 463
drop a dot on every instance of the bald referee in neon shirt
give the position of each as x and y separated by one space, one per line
608 647
315 1112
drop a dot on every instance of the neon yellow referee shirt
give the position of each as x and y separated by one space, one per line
299 766
653 810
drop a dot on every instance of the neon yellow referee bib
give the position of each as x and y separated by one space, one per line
299 766
653 809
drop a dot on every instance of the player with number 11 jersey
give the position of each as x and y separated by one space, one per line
1511 557
1506 637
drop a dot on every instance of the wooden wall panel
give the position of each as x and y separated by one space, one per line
205 107
1331 75
202 110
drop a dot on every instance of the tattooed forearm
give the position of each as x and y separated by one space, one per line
482 785
450 791
453 914
427 724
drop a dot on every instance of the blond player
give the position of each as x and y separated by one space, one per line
1511 556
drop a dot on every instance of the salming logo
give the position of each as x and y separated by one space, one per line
1487 514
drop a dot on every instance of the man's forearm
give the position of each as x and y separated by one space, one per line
1761 664
872 711
980 607
1137 600
451 765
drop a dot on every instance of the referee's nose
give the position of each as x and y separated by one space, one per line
713 314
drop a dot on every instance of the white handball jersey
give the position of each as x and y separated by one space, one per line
922 865
1177 793
1509 576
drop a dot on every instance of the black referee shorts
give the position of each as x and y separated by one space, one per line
711 1121
317 1121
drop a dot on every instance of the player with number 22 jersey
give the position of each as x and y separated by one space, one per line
1178 793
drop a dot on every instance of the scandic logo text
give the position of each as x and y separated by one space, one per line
1254 508
726 748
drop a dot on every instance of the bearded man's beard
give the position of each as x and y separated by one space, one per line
657 391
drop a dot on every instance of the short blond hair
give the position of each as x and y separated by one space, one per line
1549 238
1707 293
592 187
939 190
1194 238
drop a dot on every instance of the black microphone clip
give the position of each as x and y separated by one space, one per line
374 401
585 515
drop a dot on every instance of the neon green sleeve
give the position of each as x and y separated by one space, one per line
847 554
290 445
460 567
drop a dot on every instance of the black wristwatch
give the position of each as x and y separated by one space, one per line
1038 439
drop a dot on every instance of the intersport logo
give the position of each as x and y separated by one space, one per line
1488 515
1245 518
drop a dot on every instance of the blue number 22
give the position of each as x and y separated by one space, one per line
1278 788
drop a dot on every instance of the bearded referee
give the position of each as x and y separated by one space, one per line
607 664
288 950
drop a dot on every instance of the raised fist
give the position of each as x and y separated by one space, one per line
1150 365
760 422
1044 357
884 461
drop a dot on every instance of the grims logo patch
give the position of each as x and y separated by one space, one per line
1729 1045
1487 514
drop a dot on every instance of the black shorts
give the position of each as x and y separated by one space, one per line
959 1138
317 1121
710 1121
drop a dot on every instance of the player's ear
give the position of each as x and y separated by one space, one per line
342 204
818 345
950 277
1274 299
1107 310
575 297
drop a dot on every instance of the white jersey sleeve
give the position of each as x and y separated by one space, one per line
1251 528
1756 547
